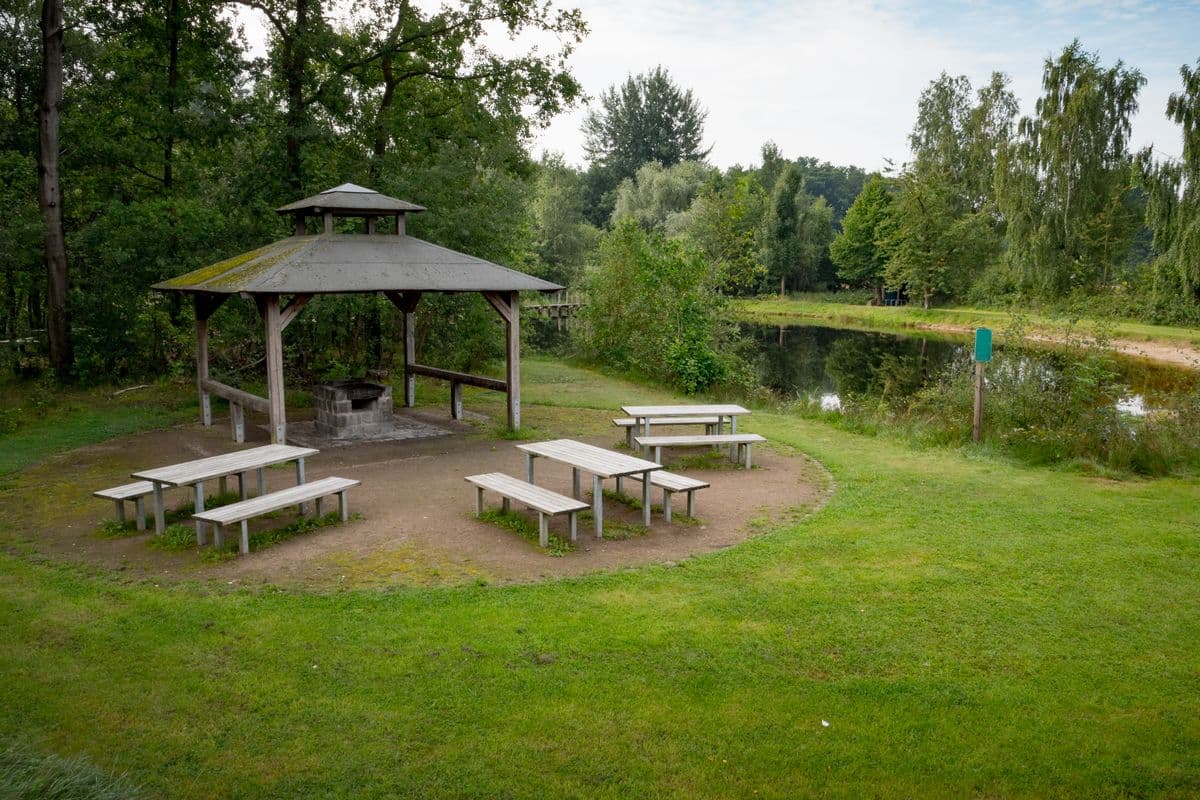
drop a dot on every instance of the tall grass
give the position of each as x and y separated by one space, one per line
28 775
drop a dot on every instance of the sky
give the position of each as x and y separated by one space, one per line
839 81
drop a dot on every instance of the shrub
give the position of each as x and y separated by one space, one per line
654 309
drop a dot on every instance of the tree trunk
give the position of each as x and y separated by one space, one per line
782 286
295 62
927 299
58 328
172 84
379 146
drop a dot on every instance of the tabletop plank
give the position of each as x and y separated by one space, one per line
596 460
723 410
203 469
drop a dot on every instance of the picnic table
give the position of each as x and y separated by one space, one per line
600 463
195 473
643 414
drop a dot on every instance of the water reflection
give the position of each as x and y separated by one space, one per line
828 366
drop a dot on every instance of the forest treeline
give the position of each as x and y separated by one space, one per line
993 207
177 143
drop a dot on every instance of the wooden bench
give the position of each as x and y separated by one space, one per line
630 424
543 501
245 510
137 492
670 483
742 441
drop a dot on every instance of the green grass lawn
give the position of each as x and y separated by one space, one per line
964 626
774 309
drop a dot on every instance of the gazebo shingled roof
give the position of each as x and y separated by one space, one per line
399 266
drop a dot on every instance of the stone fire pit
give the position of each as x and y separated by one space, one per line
352 409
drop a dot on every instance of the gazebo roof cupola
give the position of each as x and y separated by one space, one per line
349 200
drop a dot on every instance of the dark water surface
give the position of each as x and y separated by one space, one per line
823 365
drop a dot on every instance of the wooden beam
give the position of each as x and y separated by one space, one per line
238 396
268 307
499 302
293 310
481 381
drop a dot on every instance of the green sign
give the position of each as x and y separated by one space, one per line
983 344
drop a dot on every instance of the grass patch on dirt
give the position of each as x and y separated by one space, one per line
512 521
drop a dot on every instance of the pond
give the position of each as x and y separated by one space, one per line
825 365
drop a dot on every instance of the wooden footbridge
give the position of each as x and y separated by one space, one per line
559 307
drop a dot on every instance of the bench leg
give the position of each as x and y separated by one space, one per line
529 467
575 488
160 513
222 485
120 511
320 508
645 432
245 548
262 481
646 499
343 506
303 507
747 455
139 508
218 536
658 455
237 419
732 429
666 505
242 485
200 537
620 485
629 437
598 506
543 530
505 506
478 500
574 524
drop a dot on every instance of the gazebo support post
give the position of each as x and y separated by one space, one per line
205 305
406 302
508 306
268 307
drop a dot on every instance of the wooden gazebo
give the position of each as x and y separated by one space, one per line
282 277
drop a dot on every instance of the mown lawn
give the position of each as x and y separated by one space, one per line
773 309
965 626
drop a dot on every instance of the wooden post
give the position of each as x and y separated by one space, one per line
456 390
269 308
205 305
977 419
202 367
329 222
406 302
399 224
508 306
513 373
370 225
